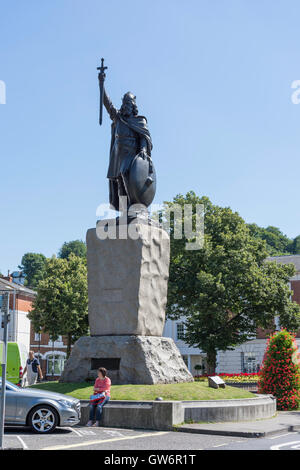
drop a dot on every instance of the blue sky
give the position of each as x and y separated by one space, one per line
213 78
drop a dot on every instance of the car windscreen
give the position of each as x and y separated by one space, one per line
10 386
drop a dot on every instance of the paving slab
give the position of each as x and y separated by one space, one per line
283 421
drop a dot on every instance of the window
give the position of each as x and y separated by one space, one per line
37 336
59 339
55 364
57 342
180 331
250 363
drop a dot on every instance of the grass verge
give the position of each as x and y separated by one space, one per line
179 391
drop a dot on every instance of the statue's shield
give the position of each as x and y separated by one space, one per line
142 181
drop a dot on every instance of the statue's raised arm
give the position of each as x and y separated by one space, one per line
112 111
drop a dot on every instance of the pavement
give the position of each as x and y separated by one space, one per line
284 421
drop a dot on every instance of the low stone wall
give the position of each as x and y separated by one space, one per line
160 415
164 415
246 409
249 386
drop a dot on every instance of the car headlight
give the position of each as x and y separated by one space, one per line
66 403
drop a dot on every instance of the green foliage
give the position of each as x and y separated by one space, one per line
226 289
178 391
276 242
76 247
280 372
60 307
296 246
33 266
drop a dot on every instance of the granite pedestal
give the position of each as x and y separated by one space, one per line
127 287
129 360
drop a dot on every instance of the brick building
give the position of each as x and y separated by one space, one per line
20 303
52 355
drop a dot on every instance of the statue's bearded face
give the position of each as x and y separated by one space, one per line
127 107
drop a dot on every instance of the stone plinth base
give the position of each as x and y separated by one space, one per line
128 359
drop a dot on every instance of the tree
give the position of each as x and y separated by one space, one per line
225 290
276 242
280 372
61 305
295 248
33 266
77 247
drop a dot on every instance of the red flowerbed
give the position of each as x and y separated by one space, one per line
223 374
235 377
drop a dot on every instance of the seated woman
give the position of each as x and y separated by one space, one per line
102 384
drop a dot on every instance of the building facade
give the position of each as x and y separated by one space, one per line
20 303
52 355
194 358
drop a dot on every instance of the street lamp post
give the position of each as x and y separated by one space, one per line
4 325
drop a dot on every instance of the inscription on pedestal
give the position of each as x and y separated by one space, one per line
112 295
110 363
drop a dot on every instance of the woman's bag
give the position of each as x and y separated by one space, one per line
97 398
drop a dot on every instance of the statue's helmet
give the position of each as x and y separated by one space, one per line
129 97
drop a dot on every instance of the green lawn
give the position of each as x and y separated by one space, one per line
180 391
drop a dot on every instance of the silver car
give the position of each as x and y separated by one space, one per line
39 409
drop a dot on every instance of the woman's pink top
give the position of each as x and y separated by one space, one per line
103 385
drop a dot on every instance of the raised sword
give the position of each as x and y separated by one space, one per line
101 77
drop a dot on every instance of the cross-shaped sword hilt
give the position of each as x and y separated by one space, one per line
102 69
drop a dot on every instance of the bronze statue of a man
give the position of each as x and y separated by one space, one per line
130 172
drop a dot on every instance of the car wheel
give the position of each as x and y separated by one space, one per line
43 419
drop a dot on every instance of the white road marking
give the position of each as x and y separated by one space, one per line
74 430
286 444
113 433
282 435
221 445
25 447
102 441
296 447
82 432
85 432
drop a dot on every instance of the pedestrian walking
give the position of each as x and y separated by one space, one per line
32 369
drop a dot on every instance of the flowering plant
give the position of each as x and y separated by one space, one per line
280 372
235 377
